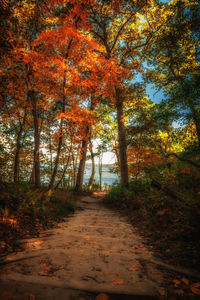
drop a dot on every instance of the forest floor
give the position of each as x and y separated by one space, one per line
95 253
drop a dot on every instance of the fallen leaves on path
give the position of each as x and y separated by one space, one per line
176 282
29 297
7 296
45 234
162 291
33 244
135 266
118 281
195 288
89 240
8 269
46 269
102 297
180 292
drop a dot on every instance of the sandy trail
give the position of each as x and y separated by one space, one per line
94 250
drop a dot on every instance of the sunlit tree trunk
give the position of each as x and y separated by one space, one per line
81 169
60 140
100 169
122 139
93 171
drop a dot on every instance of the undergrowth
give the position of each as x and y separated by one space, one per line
25 211
172 225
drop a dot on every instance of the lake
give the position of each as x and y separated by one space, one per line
108 177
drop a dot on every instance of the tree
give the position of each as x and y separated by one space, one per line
123 30
174 56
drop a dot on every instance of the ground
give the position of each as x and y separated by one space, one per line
95 253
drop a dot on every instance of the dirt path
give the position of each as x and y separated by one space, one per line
95 250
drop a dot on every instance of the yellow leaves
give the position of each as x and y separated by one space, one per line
7 218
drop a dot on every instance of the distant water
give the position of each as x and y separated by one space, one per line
108 177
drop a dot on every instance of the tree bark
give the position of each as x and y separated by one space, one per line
32 97
50 150
64 171
81 169
100 170
184 159
122 139
18 147
93 171
60 141
195 118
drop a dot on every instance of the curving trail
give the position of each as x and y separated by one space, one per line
94 251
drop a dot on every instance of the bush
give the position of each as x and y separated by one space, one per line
23 198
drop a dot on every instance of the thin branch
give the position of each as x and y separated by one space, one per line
119 32
184 159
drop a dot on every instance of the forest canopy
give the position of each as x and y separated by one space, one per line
69 74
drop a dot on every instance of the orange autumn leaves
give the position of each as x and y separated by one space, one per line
139 158
67 63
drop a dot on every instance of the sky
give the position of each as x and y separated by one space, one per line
153 94
109 157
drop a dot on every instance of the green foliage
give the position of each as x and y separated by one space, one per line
126 197
95 186
61 208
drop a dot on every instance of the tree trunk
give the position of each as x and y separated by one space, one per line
18 147
60 141
32 96
195 118
81 169
100 170
50 150
32 176
63 174
122 139
93 171
166 189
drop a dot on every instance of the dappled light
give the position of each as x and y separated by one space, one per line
82 81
